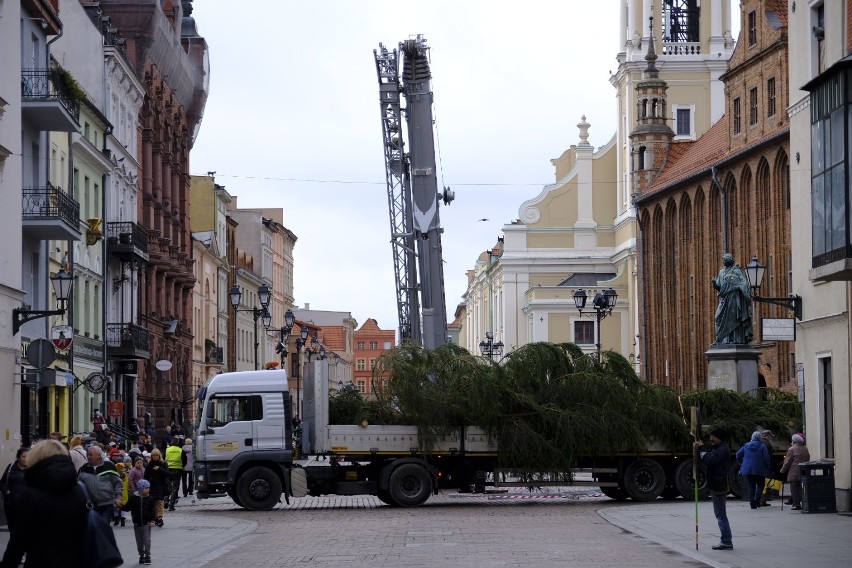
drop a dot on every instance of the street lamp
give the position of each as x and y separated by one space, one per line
62 283
602 305
755 271
489 348
264 295
300 341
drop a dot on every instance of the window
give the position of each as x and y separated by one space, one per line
361 365
362 386
737 115
387 345
584 332
830 115
360 345
752 106
752 28
770 97
684 121
818 19
372 363
827 408
374 345
226 409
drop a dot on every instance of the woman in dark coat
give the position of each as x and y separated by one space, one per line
52 513
157 472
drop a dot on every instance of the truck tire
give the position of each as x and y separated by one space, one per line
233 495
734 480
410 485
644 480
383 495
259 489
616 493
685 484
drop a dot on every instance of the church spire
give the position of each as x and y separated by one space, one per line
651 72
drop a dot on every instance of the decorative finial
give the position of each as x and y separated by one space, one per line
584 131
651 57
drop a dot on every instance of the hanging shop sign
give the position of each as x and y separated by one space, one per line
62 336
96 383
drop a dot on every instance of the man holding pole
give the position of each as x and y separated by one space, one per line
717 460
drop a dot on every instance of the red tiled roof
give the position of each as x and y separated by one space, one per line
690 158
686 158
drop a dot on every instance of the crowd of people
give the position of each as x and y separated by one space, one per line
46 510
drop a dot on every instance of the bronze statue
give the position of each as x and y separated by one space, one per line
733 315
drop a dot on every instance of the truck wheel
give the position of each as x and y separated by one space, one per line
616 493
410 485
383 495
685 483
259 489
734 481
644 480
233 495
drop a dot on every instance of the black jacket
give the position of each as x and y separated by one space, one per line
159 478
141 509
52 515
717 460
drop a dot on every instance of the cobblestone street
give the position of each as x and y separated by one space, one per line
492 531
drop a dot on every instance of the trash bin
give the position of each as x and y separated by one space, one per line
818 487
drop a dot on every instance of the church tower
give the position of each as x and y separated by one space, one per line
652 137
693 42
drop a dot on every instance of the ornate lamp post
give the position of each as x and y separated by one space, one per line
62 283
754 271
602 305
300 342
264 295
489 348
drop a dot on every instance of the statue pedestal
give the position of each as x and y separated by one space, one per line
732 367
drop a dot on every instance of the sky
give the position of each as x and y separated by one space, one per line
292 121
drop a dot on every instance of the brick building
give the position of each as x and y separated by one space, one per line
682 188
370 343
167 53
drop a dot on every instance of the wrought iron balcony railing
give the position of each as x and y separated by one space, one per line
126 233
47 202
126 336
48 85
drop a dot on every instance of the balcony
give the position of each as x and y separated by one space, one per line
48 101
127 241
214 356
681 48
50 213
127 341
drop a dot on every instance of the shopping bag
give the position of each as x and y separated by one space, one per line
100 548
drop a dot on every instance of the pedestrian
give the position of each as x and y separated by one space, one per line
53 514
103 482
136 473
142 514
755 466
157 473
176 460
767 437
717 460
796 455
78 452
118 518
187 476
12 485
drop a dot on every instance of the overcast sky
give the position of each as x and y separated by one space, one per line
292 121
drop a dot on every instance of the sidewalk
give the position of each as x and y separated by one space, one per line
763 538
188 540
